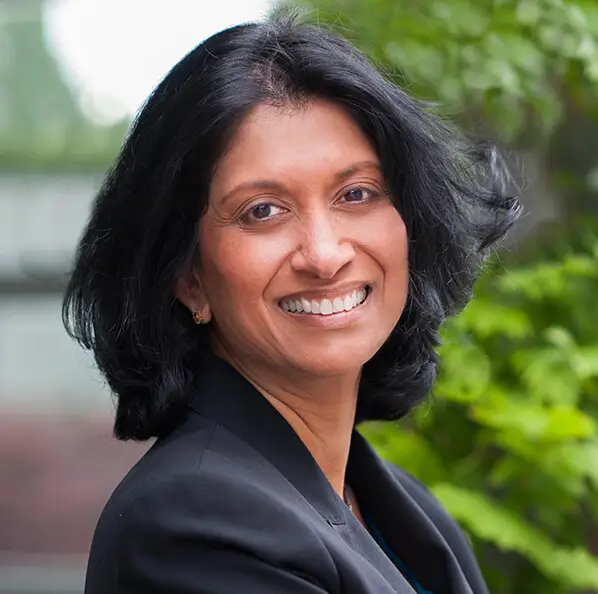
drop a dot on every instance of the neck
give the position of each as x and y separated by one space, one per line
323 420
321 411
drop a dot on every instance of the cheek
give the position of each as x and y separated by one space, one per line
390 247
238 267
387 238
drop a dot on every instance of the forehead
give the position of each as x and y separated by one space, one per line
316 138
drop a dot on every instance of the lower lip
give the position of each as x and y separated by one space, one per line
335 320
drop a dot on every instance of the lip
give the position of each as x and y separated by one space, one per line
331 292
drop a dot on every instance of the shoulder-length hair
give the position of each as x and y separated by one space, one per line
143 230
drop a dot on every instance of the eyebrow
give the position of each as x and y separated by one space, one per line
356 168
265 184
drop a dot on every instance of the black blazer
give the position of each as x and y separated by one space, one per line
232 502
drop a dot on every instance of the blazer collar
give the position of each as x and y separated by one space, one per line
226 397
408 529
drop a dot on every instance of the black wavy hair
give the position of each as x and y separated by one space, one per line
143 229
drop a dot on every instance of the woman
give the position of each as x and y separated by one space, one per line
267 265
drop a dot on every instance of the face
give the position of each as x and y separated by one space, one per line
303 257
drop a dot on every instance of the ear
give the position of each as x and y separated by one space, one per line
188 290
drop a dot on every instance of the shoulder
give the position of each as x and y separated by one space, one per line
220 517
223 488
207 473
209 485
452 533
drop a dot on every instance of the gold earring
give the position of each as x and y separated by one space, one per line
197 316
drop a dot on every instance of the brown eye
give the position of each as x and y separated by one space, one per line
359 195
261 213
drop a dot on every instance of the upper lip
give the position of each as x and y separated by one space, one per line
330 292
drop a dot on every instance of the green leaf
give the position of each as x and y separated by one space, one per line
559 337
465 371
573 460
487 317
461 17
545 279
567 423
529 12
572 567
536 422
406 448
585 362
547 375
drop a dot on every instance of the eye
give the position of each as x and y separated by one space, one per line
359 195
261 212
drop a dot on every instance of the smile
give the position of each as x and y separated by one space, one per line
326 307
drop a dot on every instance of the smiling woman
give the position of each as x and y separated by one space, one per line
267 265
317 227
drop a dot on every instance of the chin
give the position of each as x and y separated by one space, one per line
335 360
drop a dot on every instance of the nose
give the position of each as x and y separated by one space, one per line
323 250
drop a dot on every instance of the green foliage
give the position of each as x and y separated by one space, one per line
508 531
510 445
503 60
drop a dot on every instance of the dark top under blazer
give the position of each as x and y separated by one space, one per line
232 502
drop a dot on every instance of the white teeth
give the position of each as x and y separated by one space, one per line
348 303
338 305
325 307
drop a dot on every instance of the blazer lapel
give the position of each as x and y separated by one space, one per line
227 398
407 529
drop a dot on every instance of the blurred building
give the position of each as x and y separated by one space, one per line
58 460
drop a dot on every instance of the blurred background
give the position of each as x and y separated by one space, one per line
508 442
